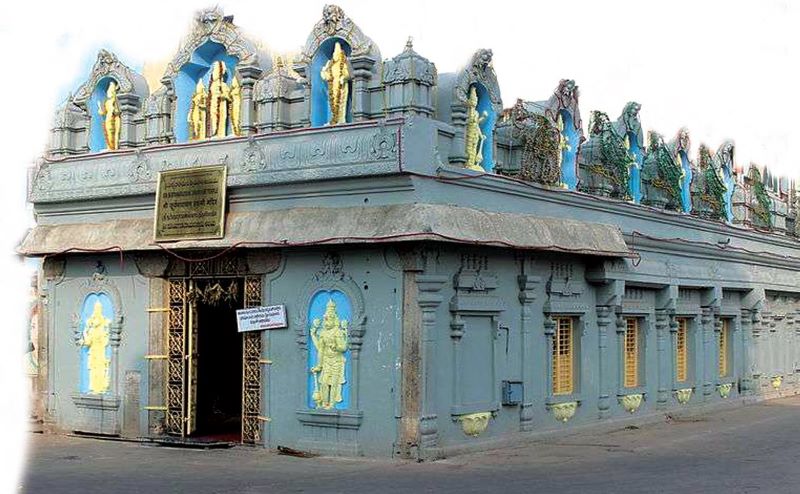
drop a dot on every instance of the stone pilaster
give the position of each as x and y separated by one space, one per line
362 74
605 316
129 105
527 296
429 300
709 349
459 118
249 75
664 326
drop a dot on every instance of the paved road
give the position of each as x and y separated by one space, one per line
750 449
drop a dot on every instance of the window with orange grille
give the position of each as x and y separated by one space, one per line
681 360
724 339
631 354
563 352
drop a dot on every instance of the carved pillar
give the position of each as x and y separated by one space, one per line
709 349
527 295
458 115
746 324
362 73
664 322
248 76
429 299
129 104
604 318
549 333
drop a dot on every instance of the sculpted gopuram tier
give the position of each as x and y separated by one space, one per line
354 255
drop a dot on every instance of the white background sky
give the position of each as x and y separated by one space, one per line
724 69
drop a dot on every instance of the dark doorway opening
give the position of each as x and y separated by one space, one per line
219 366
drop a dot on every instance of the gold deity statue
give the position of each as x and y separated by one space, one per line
337 75
219 99
330 341
95 337
236 106
474 137
197 112
112 122
563 140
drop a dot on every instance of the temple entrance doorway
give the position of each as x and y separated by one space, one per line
213 374
219 361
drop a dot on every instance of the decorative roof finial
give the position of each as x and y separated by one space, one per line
410 44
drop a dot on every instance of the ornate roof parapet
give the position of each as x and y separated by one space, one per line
565 98
661 175
132 88
273 96
453 96
629 124
530 142
158 117
606 160
364 61
759 205
409 79
336 24
73 123
708 187
70 130
213 25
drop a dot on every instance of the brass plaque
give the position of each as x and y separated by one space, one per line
190 204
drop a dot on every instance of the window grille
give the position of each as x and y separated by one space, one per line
681 359
631 355
724 337
563 350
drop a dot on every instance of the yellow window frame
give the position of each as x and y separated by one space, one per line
681 353
724 339
563 356
631 353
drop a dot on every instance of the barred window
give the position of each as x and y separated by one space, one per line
681 360
724 339
563 351
631 354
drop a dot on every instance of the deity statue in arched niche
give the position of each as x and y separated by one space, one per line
219 99
474 137
95 337
197 112
337 75
112 121
330 341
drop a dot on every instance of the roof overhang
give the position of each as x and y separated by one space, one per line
307 226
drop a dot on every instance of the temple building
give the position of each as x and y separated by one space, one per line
348 254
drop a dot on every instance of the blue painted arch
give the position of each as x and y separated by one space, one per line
197 68
569 172
635 184
86 312
316 310
686 193
97 139
487 126
320 109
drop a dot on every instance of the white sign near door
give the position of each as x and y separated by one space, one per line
261 318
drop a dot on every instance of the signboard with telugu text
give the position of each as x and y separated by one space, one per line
261 318
190 204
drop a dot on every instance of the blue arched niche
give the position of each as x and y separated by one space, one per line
320 109
487 126
635 185
730 184
97 139
198 67
569 174
686 193
316 310
86 313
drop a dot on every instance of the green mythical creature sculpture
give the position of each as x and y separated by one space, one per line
539 140
330 341
708 187
760 203
661 175
606 160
